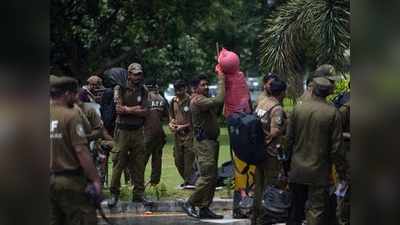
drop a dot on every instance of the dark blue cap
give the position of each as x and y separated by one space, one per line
277 86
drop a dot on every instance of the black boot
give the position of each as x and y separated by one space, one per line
113 200
141 199
190 210
206 213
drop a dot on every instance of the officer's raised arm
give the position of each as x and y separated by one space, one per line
207 103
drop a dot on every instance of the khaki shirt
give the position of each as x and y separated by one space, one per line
92 123
314 142
180 112
157 110
66 131
92 116
272 116
260 98
133 97
205 112
305 96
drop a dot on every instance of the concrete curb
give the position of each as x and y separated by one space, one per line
161 206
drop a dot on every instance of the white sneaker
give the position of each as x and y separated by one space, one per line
180 187
189 186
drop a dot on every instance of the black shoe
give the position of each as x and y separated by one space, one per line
190 210
142 200
236 214
206 213
113 201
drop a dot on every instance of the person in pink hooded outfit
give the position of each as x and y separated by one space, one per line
237 99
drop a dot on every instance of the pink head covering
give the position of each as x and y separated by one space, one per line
229 61
236 90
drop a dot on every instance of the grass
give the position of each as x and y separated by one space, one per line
170 177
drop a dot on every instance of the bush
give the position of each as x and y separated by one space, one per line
341 85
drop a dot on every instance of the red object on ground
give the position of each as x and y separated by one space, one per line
237 95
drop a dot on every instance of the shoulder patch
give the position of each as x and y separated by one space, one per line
79 130
186 108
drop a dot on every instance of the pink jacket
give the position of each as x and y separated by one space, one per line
237 93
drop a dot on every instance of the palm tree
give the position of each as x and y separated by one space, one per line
302 34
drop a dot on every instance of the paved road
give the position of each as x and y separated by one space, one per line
168 219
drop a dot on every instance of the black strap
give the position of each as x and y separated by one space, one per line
244 171
270 110
128 126
172 107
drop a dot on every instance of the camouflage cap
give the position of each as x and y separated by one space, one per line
135 68
326 70
94 79
322 84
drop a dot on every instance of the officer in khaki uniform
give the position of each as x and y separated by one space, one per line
92 121
206 146
267 79
273 119
181 125
71 166
154 136
131 108
314 144
325 70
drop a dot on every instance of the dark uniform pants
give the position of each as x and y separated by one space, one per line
343 203
129 153
68 203
206 153
184 157
266 174
154 149
317 198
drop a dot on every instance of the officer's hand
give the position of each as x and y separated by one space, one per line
178 127
218 71
172 126
120 109
97 186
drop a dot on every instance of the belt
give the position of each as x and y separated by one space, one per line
184 131
129 126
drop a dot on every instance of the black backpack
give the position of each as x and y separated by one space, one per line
247 138
341 99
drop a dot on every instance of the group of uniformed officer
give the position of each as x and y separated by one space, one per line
312 137
316 140
138 134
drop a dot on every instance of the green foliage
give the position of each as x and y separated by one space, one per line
341 85
172 39
157 192
229 187
302 34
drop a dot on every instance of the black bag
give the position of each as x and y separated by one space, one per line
341 99
246 137
276 203
111 78
225 172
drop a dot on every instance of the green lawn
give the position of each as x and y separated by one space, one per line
170 178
